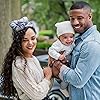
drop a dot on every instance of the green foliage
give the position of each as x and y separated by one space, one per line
24 2
44 41
45 32
96 12
47 12
43 45
49 33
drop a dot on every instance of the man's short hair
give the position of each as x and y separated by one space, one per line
80 5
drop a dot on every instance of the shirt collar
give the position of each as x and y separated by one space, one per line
87 33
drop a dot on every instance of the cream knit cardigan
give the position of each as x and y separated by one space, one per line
29 82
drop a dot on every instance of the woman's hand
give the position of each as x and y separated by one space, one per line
47 73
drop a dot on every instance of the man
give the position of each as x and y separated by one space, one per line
84 72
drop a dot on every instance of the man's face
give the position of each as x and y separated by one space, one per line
80 19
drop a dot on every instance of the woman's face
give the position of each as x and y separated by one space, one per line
29 43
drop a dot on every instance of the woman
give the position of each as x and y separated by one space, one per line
22 73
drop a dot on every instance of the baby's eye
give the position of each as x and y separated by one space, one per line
71 37
72 19
64 37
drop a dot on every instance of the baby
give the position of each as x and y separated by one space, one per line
64 44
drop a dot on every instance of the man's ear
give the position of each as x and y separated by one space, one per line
90 16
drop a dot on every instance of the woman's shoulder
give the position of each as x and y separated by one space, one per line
19 59
35 59
18 62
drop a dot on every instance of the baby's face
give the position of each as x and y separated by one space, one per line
67 38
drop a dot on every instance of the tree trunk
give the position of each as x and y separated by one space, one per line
9 10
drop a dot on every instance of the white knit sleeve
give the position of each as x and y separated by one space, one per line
55 49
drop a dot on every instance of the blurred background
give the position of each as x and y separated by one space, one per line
44 12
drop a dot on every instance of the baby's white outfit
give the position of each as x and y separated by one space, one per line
57 46
54 50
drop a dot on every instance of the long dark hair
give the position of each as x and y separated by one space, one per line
7 87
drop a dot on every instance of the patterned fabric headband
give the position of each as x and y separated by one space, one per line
20 24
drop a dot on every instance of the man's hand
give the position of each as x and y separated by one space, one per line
56 68
55 65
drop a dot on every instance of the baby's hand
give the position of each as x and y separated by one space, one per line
61 57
